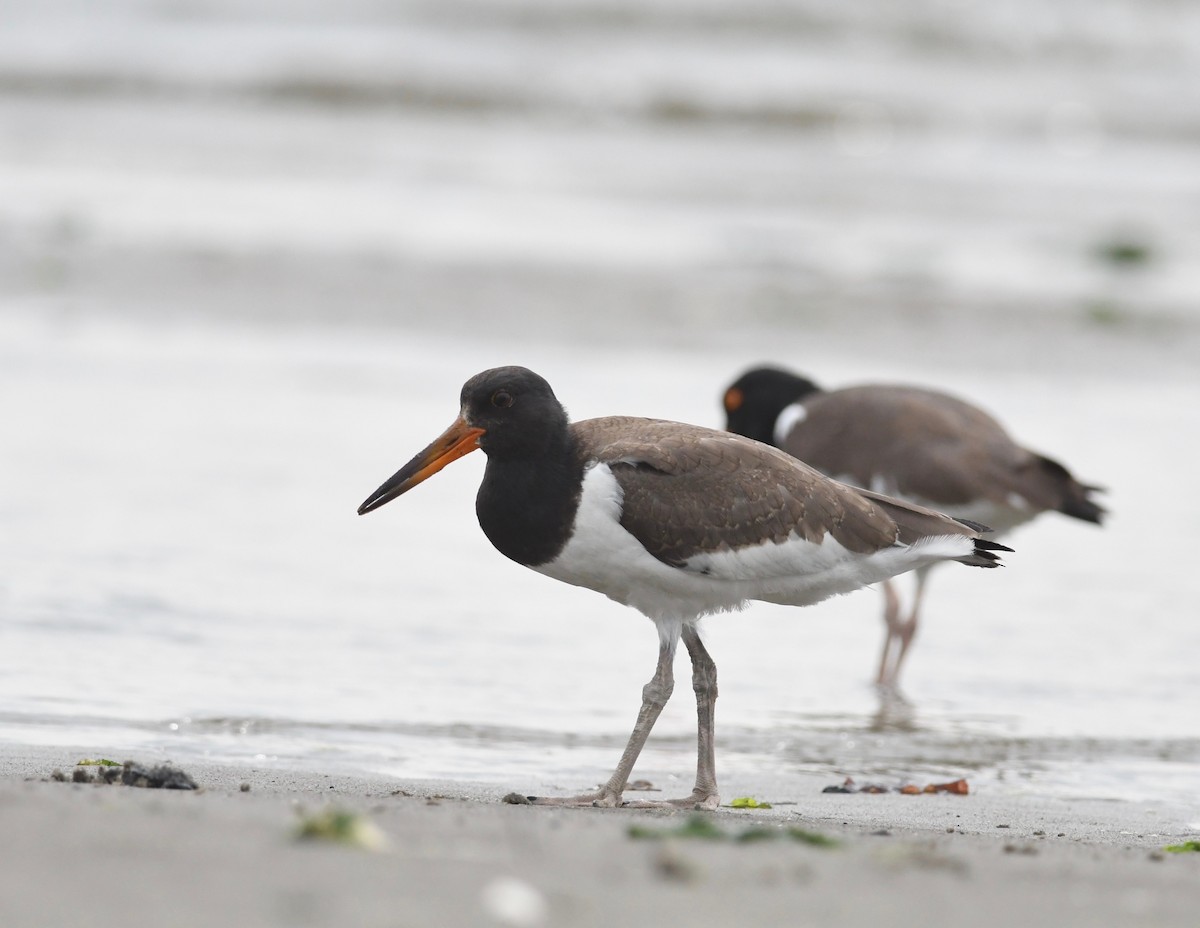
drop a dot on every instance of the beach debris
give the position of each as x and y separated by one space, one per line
748 802
644 786
130 773
704 828
954 787
163 776
514 902
516 799
1187 847
98 762
245 787
342 827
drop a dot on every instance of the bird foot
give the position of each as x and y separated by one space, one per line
607 799
697 802
601 799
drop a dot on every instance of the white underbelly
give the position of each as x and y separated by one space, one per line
603 556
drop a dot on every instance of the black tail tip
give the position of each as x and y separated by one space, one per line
1084 509
985 553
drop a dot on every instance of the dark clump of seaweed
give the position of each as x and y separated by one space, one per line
130 773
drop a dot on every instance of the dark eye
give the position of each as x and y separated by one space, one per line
502 399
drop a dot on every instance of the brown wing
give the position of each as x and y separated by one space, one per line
917 443
689 490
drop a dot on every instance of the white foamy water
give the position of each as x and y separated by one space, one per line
249 252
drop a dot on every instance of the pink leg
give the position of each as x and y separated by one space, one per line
891 631
654 696
704 682
908 629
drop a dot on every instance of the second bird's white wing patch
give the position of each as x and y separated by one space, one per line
787 420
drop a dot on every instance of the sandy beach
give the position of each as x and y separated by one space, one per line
455 855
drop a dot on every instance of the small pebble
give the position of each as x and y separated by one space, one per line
245 787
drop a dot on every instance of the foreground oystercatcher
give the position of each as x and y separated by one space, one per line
675 520
921 445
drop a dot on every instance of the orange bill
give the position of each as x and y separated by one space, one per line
451 445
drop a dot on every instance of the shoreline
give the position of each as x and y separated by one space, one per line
457 856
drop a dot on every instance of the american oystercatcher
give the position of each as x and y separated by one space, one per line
677 521
920 445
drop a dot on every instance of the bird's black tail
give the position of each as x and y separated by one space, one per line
984 554
1074 498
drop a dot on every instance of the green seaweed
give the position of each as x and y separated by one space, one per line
341 827
748 802
815 838
697 826
768 833
1187 847
1124 251
703 827
97 762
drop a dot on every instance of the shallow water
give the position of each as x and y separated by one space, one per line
185 571
246 269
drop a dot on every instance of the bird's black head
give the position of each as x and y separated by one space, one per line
754 401
509 412
518 412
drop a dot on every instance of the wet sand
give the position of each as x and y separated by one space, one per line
457 856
